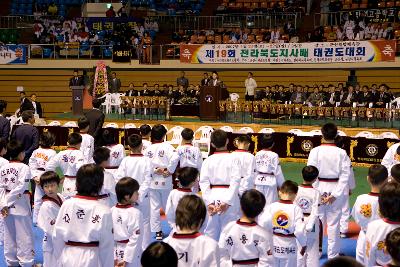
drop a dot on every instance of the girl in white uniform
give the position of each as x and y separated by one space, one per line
117 151
87 145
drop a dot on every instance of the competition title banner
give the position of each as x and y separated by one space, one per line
325 52
13 54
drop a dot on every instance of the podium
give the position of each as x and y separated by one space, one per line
209 101
77 100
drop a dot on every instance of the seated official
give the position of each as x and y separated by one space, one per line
315 98
298 97
131 91
332 96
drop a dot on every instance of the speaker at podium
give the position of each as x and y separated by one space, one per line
209 101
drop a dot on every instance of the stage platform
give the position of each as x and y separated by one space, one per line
351 128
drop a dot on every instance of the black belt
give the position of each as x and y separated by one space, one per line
266 173
245 262
283 235
123 241
82 244
41 169
70 176
306 214
111 167
25 192
219 186
328 180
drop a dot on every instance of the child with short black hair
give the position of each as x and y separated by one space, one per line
145 132
284 220
191 246
82 234
268 176
392 245
117 151
247 162
37 163
15 208
87 145
365 209
219 182
127 224
101 156
187 177
52 201
69 161
138 166
159 254
308 199
389 209
160 154
395 173
244 242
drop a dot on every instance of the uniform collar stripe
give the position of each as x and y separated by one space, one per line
58 201
123 206
87 197
184 190
182 236
389 221
246 223
285 201
374 194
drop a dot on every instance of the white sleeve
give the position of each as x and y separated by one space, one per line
169 210
199 159
172 160
224 248
234 182
263 247
53 163
352 181
313 158
121 171
57 237
145 186
106 246
299 227
353 212
24 177
343 176
213 258
32 162
247 181
280 179
370 249
46 219
387 160
80 161
134 246
313 218
205 183
91 150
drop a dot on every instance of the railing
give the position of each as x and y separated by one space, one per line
373 15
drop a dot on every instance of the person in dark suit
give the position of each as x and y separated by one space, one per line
26 104
348 97
332 97
4 123
205 79
215 81
76 80
145 91
298 97
96 120
131 91
156 91
27 134
383 97
364 98
115 84
37 106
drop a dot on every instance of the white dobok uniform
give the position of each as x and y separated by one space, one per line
390 157
18 236
194 250
365 210
247 169
284 220
117 154
244 244
128 234
46 219
333 165
269 176
160 155
82 234
87 147
308 200
172 204
37 163
375 249
219 183
69 161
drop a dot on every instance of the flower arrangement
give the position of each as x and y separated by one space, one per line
99 80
